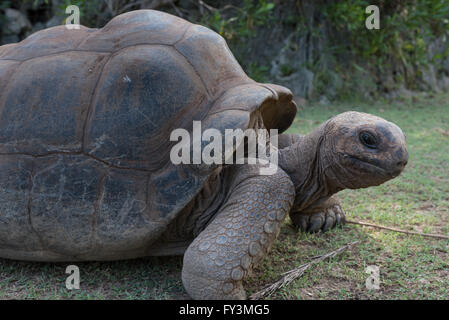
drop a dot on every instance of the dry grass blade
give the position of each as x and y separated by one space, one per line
430 235
291 275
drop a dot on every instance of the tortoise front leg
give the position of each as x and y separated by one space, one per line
320 217
239 236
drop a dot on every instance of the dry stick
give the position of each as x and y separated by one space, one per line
439 236
291 275
208 7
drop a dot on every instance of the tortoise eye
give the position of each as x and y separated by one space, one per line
368 139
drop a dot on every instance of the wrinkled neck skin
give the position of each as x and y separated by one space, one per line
309 164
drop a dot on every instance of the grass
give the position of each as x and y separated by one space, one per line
411 267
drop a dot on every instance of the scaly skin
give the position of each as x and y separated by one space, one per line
333 158
321 216
240 235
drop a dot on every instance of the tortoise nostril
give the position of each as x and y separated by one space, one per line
402 163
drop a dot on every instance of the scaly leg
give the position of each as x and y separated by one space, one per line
239 236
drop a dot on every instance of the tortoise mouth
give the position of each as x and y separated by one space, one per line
368 164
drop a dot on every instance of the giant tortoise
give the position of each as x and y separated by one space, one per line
85 123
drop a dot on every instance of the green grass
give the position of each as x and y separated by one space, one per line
411 267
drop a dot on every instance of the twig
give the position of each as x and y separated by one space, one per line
205 5
291 275
180 14
439 236
109 5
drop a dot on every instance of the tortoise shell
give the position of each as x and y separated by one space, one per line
85 120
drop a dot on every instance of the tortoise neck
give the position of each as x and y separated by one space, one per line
308 165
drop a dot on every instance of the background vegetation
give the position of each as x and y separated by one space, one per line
320 49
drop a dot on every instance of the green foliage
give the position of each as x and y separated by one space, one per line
257 72
405 29
287 70
36 2
333 33
3 5
238 23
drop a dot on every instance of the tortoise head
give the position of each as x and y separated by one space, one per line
363 150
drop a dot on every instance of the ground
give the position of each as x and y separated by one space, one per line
411 267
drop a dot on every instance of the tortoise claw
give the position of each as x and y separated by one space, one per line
330 218
316 222
339 216
303 222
